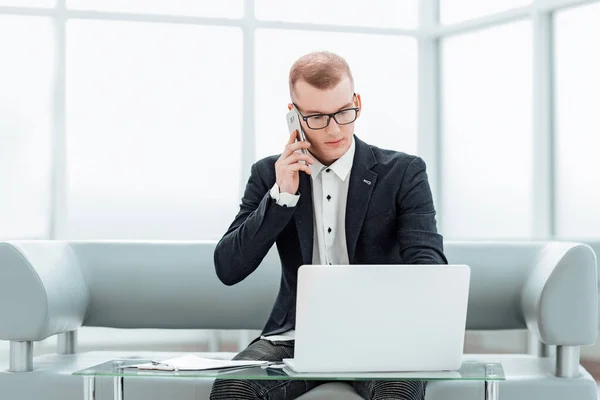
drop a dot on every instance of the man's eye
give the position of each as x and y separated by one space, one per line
342 113
318 118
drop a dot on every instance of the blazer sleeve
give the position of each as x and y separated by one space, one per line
252 233
417 233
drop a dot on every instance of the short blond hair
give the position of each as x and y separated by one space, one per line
320 69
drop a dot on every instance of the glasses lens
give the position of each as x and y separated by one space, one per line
317 121
345 117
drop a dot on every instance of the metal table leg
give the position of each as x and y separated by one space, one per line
492 385
491 390
89 387
118 386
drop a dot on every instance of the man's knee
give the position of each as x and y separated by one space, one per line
235 389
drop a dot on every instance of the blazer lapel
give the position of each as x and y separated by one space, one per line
361 185
304 218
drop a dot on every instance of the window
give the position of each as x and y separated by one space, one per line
459 10
487 134
28 3
26 77
374 13
154 121
385 74
220 8
577 122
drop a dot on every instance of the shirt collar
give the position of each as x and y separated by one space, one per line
341 167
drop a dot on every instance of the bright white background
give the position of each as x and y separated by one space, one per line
154 125
140 119
374 13
25 125
136 119
578 122
221 8
487 135
452 11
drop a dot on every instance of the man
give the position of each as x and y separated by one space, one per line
345 202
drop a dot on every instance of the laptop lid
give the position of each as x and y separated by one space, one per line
380 317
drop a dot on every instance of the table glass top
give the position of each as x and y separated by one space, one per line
469 371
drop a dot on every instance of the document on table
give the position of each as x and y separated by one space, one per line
195 363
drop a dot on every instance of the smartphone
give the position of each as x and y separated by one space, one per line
293 123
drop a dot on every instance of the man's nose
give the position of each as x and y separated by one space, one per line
333 126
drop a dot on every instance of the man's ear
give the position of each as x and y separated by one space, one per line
290 105
358 103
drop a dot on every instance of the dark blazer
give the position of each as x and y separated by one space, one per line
390 219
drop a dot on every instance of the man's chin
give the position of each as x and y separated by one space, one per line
331 155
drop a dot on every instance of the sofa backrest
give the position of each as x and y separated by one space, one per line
498 273
173 285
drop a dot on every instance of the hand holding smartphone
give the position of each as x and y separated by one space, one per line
291 161
293 123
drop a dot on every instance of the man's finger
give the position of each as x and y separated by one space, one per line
295 157
293 136
292 147
299 167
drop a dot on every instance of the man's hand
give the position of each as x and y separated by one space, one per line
287 168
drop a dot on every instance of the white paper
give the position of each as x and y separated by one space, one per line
195 363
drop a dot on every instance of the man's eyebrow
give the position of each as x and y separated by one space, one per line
348 105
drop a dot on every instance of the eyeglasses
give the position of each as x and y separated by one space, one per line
321 121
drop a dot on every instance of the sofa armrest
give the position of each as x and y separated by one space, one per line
560 297
42 290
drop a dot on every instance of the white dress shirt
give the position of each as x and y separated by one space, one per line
329 194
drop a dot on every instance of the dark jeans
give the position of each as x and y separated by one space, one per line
287 390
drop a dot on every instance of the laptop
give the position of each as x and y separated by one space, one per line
380 318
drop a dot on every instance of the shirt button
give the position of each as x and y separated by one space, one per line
328 169
328 230
328 197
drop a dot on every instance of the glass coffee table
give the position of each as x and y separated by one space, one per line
489 373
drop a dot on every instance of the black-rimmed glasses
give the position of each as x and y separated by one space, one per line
321 121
